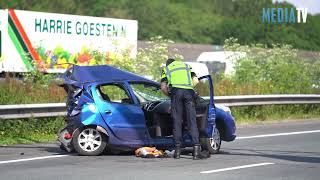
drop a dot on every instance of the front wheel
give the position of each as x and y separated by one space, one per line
213 143
89 141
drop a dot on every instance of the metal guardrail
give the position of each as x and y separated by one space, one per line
32 110
253 100
59 109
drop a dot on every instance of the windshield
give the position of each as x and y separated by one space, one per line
147 92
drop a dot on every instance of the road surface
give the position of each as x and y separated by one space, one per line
287 150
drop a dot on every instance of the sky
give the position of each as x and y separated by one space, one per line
312 5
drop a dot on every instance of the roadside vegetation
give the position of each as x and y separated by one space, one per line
33 130
204 21
248 115
30 89
276 70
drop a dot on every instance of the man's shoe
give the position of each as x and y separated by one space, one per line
177 153
197 153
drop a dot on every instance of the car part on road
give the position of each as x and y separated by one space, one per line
149 152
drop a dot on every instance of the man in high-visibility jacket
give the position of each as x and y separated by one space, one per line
177 76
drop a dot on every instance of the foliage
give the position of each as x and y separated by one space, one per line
276 70
37 77
257 114
122 59
34 89
204 21
29 130
262 71
150 60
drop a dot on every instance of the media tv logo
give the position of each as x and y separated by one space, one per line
284 15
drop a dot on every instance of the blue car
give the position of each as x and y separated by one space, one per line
111 109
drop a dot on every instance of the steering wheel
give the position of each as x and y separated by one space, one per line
150 106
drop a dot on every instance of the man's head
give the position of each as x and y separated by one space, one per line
169 61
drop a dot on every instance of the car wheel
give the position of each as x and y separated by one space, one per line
89 142
213 143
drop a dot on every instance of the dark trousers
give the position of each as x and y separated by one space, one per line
182 102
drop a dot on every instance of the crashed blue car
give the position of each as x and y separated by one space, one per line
109 109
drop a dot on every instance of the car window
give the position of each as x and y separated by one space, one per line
202 88
114 93
147 92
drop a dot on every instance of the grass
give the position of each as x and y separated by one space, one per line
28 139
13 91
271 113
24 131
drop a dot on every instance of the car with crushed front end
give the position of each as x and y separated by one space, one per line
111 109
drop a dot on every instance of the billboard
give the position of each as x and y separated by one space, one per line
2 20
49 41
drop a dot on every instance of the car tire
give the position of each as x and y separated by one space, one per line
89 141
213 143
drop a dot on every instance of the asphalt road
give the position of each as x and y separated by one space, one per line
287 150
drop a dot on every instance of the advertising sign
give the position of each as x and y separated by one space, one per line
52 41
1 22
2 14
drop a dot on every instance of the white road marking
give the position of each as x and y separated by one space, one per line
234 168
31 159
278 134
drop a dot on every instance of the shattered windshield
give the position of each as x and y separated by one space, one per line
147 92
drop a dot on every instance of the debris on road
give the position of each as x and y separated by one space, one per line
150 152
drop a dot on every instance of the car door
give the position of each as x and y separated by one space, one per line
125 119
206 123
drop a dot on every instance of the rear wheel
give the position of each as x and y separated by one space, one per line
89 142
213 143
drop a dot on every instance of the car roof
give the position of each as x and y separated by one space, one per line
101 73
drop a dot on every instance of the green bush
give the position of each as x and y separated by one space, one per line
30 130
149 61
205 21
257 114
14 91
276 70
